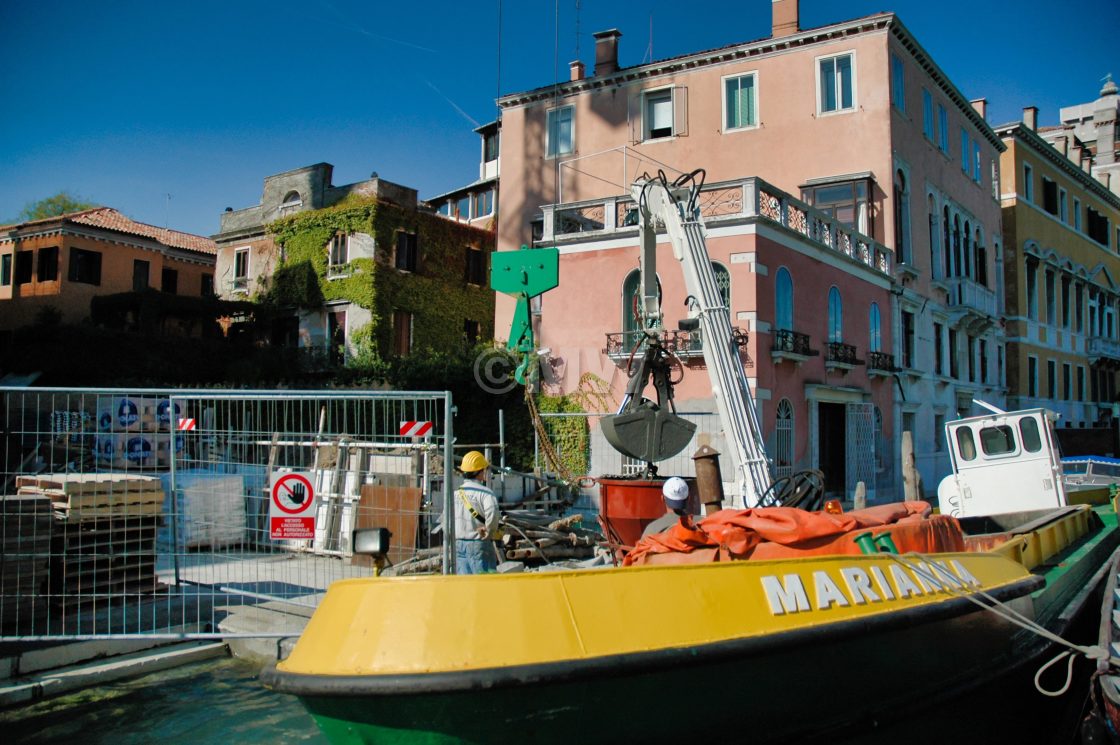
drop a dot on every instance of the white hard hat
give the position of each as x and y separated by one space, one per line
675 491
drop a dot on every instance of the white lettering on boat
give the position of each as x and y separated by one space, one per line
859 585
828 592
881 580
907 588
786 595
966 576
874 584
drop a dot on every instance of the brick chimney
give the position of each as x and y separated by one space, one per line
1030 117
577 69
981 107
785 18
606 51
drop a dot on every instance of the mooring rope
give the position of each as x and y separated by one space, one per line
957 587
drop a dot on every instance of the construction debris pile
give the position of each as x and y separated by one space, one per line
531 539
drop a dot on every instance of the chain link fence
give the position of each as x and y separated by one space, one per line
154 512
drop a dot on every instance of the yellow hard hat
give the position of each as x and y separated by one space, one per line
473 461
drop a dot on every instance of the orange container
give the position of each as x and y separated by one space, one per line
627 506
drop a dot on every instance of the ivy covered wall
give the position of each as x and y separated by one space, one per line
437 293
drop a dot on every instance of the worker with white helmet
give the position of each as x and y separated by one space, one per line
476 518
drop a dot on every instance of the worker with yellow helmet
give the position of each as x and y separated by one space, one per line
476 518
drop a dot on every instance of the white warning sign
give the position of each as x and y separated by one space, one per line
291 511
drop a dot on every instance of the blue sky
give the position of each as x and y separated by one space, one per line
124 102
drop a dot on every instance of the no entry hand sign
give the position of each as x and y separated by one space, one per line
291 510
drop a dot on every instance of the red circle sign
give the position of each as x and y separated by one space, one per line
295 489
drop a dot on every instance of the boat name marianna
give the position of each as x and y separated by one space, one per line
859 586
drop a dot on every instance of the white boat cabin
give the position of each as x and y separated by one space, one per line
1005 462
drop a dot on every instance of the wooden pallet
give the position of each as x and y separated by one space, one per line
81 497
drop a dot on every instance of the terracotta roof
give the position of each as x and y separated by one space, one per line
110 219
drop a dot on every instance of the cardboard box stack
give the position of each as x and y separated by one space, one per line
134 432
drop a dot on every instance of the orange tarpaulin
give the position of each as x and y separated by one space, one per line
778 532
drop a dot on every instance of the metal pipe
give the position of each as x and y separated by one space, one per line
709 480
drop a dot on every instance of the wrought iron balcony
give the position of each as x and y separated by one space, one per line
839 354
686 345
880 363
791 345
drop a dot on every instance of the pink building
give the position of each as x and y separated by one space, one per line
851 215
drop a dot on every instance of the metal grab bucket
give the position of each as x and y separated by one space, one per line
649 433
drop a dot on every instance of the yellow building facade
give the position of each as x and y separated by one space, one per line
1062 279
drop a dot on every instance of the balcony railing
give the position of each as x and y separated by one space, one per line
686 345
880 362
839 353
965 293
1103 347
792 345
750 198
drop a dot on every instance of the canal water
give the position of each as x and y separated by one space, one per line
220 701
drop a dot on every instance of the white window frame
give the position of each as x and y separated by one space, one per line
977 170
237 253
548 149
645 99
1032 376
1063 205
335 246
817 73
723 95
1028 182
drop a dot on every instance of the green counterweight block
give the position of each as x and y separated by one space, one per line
524 274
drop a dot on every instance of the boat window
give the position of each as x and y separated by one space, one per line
997 440
1074 469
965 444
1106 469
1032 438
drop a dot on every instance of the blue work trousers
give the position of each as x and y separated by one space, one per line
474 556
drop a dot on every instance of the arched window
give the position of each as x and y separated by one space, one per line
948 260
966 245
632 307
783 439
835 316
981 259
934 264
723 282
957 246
783 301
874 325
902 218
292 202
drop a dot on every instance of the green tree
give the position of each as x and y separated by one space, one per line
53 206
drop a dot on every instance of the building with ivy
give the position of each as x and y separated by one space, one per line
359 269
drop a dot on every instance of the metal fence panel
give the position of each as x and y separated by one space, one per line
147 512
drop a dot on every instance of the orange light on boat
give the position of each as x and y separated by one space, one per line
833 507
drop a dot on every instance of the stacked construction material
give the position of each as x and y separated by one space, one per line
25 543
532 538
539 538
103 544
